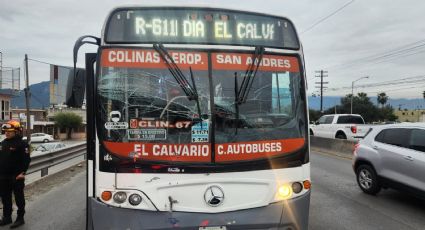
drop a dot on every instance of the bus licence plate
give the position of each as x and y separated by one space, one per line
213 228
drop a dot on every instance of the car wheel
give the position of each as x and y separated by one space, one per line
367 179
46 140
311 133
341 136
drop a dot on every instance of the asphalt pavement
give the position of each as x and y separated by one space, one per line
57 203
337 203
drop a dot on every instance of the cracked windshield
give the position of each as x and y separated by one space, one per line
160 105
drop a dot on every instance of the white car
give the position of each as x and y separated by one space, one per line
340 126
40 137
47 148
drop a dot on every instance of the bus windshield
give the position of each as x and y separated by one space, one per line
146 117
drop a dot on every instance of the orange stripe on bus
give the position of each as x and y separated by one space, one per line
201 152
237 61
144 58
161 152
254 150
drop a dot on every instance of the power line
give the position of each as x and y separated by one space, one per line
47 63
390 89
380 85
330 15
401 50
398 89
402 81
405 55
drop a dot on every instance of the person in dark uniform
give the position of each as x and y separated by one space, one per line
14 162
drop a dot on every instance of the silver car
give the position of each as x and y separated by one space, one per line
392 156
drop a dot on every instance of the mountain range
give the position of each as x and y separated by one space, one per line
40 98
396 103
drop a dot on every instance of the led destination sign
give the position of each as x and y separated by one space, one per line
199 26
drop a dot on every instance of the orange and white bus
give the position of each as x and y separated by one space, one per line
197 119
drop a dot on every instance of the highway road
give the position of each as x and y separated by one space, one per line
337 203
57 203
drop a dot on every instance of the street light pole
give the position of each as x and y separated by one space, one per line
352 95
352 91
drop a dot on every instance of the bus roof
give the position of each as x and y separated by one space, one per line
192 5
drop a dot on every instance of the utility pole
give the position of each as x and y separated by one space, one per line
321 74
27 99
1 69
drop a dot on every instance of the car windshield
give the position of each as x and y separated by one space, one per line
146 114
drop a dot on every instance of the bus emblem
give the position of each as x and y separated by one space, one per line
214 196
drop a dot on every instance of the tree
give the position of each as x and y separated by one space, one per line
314 115
68 121
387 114
382 99
363 106
423 94
363 96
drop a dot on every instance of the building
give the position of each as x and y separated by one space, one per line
39 114
40 122
5 96
417 115
44 121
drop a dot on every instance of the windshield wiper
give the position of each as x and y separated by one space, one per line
175 71
190 90
236 103
250 74
196 95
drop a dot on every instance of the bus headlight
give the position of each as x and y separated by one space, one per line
284 191
120 197
135 199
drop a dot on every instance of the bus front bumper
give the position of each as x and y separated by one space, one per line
288 215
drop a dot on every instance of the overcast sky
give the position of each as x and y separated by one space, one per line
353 43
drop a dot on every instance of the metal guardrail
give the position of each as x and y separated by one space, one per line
42 163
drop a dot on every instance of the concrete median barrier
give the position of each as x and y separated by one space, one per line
338 147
